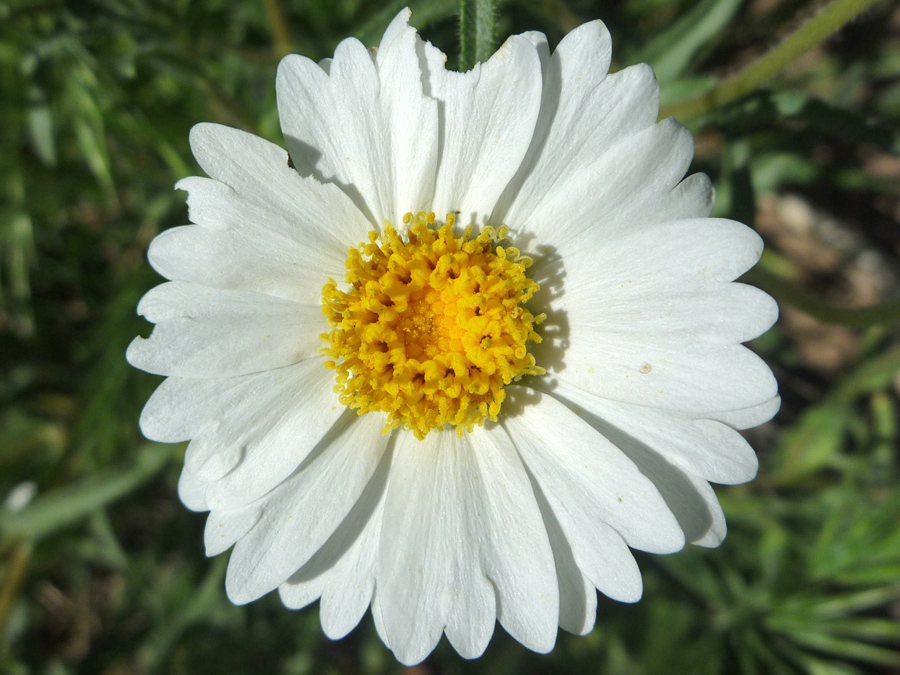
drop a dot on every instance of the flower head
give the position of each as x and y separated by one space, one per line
465 343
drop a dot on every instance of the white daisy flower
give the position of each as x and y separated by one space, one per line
461 347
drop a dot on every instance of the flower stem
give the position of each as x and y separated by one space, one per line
281 32
824 24
477 27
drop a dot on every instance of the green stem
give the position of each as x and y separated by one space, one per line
281 32
824 24
477 27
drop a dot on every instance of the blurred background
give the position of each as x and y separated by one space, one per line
101 568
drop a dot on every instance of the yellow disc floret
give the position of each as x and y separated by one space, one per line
433 327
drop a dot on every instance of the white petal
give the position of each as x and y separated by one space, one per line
590 484
378 618
224 528
263 227
487 120
301 514
577 594
749 417
342 572
238 260
192 491
690 506
693 253
396 27
366 127
689 498
715 532
470 623
672 373
263 424
205 332
584 112
266 192
623 189
256 195
180 408
711 311
292 409
702 447
333 125
412 119
460 512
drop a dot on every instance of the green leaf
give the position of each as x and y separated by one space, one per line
40 131
70 504
865 628
849 649
812 443
671 52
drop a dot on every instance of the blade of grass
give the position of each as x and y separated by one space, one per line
813 32
71 503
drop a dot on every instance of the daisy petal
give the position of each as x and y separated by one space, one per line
181 408
266 194
224 528
236 260
750 417
703 447
674 373
475 516
687 252
375 136
245 449
301 415
713 312
577 594
262 226
679 489
619 191
487 118
342 572
206 332
332 125
411 117
584 112
689 497
301 514
192 491
717 529
590 483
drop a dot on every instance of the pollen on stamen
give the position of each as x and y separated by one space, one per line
432 328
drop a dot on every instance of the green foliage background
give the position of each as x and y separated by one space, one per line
104 572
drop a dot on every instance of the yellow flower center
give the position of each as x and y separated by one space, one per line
433 327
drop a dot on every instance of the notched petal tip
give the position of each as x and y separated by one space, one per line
135 351
399 23
192 492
